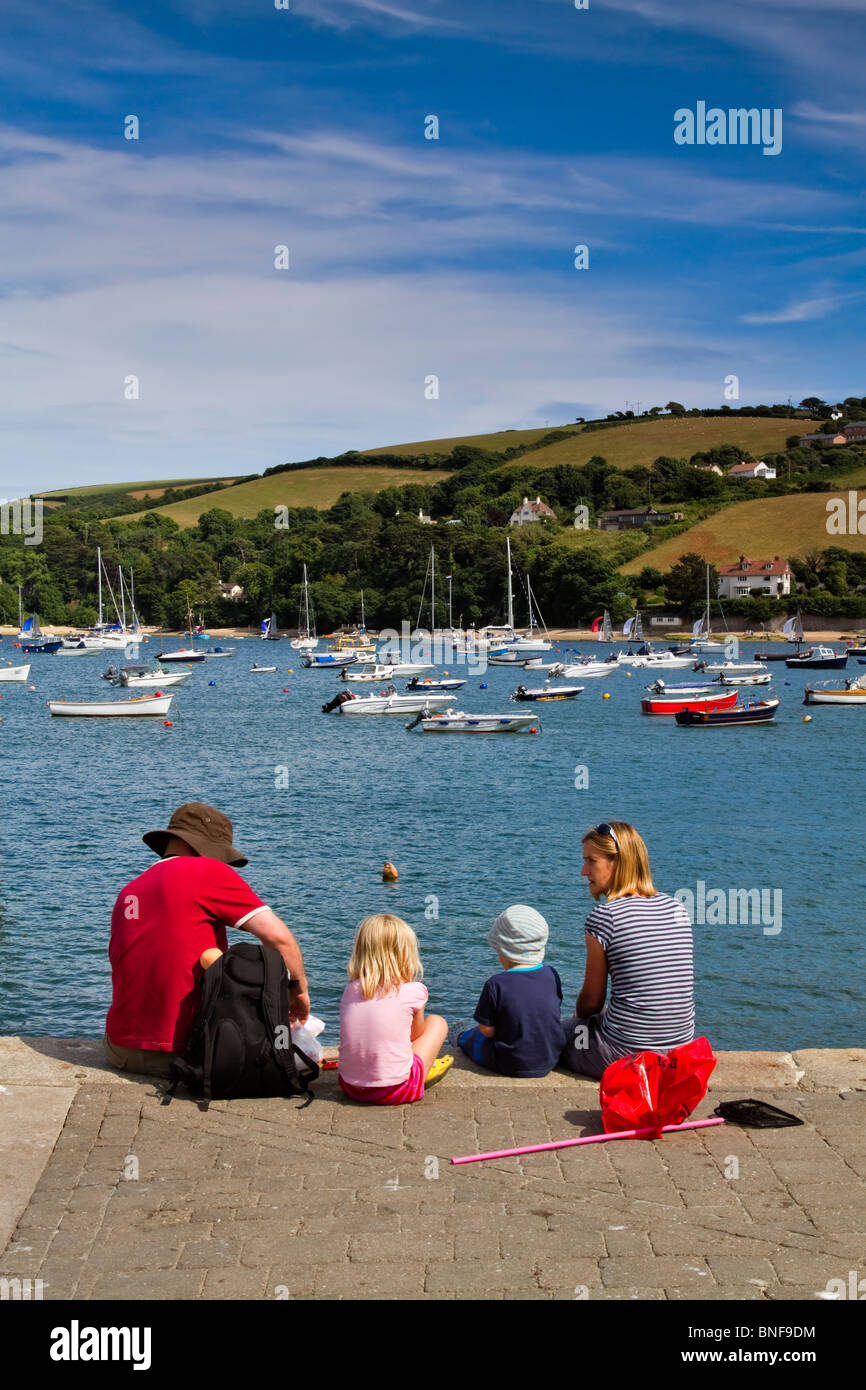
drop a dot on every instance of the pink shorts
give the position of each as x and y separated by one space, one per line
402 1094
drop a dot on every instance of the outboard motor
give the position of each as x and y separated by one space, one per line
338 700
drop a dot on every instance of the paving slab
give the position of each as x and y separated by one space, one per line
219 1204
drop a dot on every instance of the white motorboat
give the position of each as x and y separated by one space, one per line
80 648
420 686
145 677
546 692
579 669
658 660
386 673
138 705
395 704
261 670
758 678
320 661
181 655
219 653
14 673
853 692
732 668
459 722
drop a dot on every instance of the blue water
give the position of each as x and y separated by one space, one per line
473 824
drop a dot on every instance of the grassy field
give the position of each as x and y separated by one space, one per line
630 446
312 487
501 439
142 489
759 529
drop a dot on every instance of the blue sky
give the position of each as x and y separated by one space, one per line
410 257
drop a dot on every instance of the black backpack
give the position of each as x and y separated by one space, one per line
234 1047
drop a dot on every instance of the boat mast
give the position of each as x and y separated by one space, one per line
450 619
432 592
20 618
306 603
99 578
510 593
363 619
122 597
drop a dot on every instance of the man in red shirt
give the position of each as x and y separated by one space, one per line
162 923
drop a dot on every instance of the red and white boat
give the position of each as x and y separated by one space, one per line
672 704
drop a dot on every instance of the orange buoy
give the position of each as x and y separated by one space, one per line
167 723
533 731
389 872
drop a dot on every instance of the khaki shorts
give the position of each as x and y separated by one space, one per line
138 1059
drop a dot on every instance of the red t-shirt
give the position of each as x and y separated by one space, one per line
161 923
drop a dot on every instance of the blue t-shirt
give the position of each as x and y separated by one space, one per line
523 1006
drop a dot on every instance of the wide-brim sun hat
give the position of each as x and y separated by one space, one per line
204 829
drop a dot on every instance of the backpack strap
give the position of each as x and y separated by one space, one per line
275 969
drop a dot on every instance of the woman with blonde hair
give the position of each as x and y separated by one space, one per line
387 1047
642 940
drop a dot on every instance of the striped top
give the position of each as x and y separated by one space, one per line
648 944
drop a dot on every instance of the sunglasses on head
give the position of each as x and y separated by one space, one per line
605 829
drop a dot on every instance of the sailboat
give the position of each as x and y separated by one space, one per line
603 628
269 629
185 654
306 640
104 636
34 642
793 630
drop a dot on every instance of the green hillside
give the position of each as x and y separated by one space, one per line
498 440
309 487
632 446
760 528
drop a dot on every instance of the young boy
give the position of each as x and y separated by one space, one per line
518 1015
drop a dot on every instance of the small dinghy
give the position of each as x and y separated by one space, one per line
761 712
14 673
257 670
138 705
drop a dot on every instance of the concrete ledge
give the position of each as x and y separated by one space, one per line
31 1118
74 1061
833 1069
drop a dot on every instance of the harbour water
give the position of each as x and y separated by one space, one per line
473 824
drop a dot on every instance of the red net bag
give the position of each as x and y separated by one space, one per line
652 1089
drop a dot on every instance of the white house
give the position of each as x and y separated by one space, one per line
752 470
425 520
771 577
231 591
531 511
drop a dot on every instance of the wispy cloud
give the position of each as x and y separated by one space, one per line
800 311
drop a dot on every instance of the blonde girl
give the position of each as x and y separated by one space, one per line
642 941
387 1047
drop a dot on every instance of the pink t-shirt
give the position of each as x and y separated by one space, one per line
375 1043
